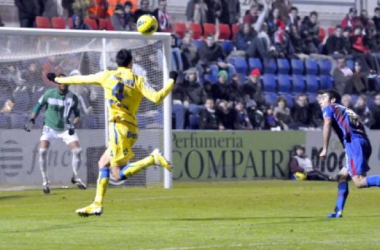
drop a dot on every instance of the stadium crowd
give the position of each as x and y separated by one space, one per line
264 73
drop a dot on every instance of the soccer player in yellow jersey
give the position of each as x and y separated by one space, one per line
123 92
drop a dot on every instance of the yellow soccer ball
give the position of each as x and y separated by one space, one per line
147 25
300 176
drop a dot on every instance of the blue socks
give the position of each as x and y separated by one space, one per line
373 181
104 173
122 172
342 196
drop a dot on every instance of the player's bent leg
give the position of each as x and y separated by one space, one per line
342 194
96 208
44 146
360 181
76 151
155 158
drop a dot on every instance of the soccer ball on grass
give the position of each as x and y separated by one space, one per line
147 25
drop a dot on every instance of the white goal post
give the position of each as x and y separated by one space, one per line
165 38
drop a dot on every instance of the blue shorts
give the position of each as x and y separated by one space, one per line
358 152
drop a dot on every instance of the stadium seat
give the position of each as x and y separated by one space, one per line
196 28
235 30
209 28
43 22
5 121
92 23
224 32
289 99
198 43
330 31
321 34
269 83
311 67
240 66
298 84
350 64
227 47
58 23
180 29
311 84
326 82
270 66
270 98
284 83
283 66
325 67
255 63
194 121
18 120
22 101
213 76
311 97
297 67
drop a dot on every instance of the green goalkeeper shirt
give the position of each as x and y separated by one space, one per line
58 108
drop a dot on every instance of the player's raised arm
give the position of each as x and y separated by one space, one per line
158 96
93 79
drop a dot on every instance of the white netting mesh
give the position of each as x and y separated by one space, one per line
24 61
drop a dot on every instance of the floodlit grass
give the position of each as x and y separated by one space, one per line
223 215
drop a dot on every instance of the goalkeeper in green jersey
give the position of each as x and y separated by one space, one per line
60 104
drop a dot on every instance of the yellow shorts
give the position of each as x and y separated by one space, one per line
122 137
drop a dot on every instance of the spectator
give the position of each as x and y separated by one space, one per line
194 96
227 115
362 110
112 6
351 20
176 61
78 23
68 6
284 7
347 101
210 53
234 89
270 121
310 33
13 75
245 37
376 19
252 16
189 51
97 9
297 43
316 111
178 108
123 19
301 165
33 75
242 120
28 10
335 44
219 90
83 93
364 19
80 8
347 40
209 118
273 20
190 10
252 88
144 9
293 18
375 113
344 82
255 115
200 12
51 9
214 10
233 7
162 17
300 113
281 113
282 43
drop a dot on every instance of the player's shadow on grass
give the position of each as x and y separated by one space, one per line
49 228
11 197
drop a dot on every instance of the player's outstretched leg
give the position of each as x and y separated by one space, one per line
155 158
96 208
373 181
340 200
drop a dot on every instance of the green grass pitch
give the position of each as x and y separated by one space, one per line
222 215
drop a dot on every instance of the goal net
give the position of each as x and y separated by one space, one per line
25 58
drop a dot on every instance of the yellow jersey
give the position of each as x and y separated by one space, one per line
123 91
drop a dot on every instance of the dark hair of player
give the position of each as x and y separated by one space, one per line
333 94
123 58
